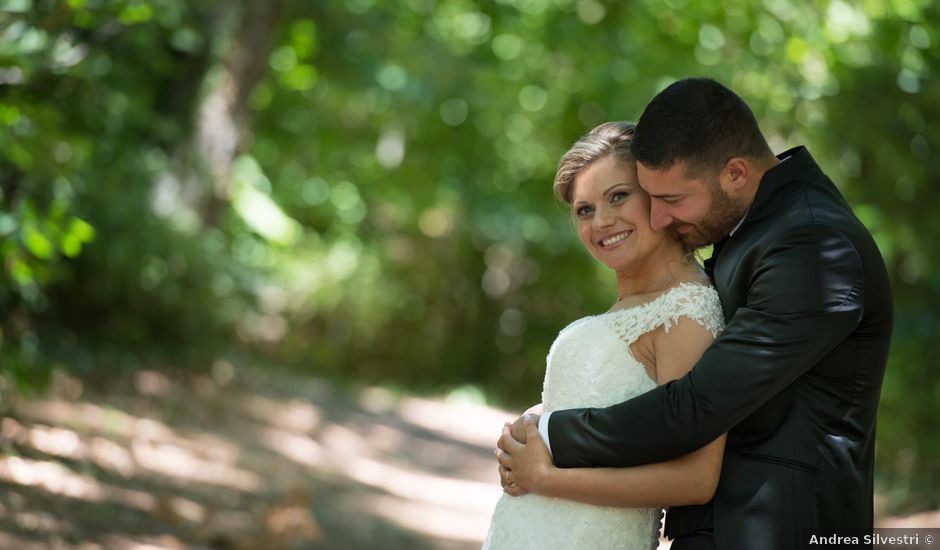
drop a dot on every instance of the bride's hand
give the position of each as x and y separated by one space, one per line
529 463
518 429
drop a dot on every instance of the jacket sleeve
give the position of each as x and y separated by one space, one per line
804 298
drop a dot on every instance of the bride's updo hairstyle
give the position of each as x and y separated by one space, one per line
610 138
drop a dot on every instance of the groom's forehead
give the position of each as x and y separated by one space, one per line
664 180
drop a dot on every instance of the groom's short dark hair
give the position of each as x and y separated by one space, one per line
700 122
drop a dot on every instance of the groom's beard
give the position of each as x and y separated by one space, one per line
724 213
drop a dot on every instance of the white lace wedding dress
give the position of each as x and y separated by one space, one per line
590 365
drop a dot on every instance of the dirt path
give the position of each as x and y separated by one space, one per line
243 460
247 460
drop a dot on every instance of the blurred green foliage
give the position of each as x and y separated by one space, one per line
384 211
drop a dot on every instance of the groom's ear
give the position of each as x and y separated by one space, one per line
736 174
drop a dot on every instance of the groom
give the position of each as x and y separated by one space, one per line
795 377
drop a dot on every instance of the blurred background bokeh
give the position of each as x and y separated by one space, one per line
360 191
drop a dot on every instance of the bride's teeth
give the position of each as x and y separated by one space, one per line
614 239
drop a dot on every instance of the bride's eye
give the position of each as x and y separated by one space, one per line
619 196
583 211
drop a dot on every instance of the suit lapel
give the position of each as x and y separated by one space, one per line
709 264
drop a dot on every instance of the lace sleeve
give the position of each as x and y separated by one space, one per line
697 302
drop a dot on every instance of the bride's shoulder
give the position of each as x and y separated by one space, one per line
698 301
694 288
576 323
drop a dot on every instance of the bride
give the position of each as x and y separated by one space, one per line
665 315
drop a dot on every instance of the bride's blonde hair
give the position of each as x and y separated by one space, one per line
610 138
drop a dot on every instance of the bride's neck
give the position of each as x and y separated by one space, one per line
656 273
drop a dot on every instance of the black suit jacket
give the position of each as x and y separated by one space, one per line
794 379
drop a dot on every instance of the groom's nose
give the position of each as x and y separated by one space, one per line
659 217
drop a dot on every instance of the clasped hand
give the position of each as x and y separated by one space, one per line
524 461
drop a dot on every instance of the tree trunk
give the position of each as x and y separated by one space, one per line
223 119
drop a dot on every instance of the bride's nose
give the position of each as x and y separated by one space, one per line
603 217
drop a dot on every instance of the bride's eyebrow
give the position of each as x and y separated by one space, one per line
618 184
607 191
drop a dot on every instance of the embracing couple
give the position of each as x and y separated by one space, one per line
743 397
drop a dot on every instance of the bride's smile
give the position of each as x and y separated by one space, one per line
610 242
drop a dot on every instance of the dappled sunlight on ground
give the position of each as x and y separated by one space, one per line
473 424
60 480
249 459
259 460
432 519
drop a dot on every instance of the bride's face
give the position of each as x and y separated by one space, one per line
613 214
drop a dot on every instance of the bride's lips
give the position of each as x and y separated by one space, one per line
612 241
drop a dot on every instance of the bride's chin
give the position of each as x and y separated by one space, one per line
622 266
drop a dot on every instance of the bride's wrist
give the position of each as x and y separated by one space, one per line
543 481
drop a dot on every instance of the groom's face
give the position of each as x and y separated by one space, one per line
697 208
